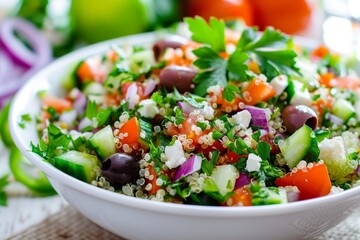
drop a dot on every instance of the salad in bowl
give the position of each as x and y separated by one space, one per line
151 136
224 118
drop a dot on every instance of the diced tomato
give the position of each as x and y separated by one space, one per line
91 70
112 55
241 197
59 104
330 80
325 101
154 187
112 99
206 151
140 89
274 148
186 128
257 91
312 182
225 105
130 132
320 51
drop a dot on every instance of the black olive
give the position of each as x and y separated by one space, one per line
172 42
120 169
294 117
177 76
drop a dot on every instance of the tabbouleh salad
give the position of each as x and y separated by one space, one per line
224 118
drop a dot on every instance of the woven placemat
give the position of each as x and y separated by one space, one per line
70 224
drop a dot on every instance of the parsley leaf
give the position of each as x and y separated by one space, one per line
274 62
237 67
58 142
91 109
263 150
266 39
229 92
214 70
212 33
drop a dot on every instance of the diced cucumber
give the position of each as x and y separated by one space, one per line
322 134
145 133
269 195
113 82
140 61
77 164
94 88
301 145
103 142
343 109
224 177
70 81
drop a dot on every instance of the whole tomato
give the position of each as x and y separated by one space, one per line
225 9
290 16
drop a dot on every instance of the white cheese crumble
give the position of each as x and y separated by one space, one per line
301 96
253 163
149 108
175 155
208 112
279 84
242 118
332 150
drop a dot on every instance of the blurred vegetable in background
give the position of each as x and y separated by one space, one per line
290 16
226 9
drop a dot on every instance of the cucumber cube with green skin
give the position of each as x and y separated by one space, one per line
224 177
104 142
343 109
301 145
77 164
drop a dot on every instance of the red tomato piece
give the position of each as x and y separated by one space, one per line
312 182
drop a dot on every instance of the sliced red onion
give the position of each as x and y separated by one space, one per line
258 117
357 171
21 55
242 180
80 102
293 196
132 96
16 49
190 166
68 117
336 120
186 107
149 88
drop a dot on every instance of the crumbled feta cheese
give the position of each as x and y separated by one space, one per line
242 118
332 150
301 98
253 163
149 108
279 84
351 141
335 190
208 112
175 155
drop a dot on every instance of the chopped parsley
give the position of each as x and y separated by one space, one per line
216 70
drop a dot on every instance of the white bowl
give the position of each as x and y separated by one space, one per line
135 218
